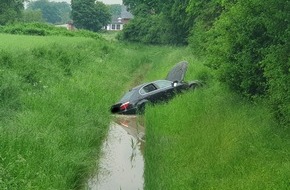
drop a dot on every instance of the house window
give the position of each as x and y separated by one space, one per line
118 27
113 27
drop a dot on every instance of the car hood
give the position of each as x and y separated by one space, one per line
177 73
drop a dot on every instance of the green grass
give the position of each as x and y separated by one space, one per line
54 109
13 42
55 94
211 139
55 98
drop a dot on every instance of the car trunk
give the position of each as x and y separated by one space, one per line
177 73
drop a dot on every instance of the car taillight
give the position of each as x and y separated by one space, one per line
124 106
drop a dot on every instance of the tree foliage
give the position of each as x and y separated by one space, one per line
143 7
52 12
89 14
248 45
115 9
166 21
141 30
245 41
32 16
10 10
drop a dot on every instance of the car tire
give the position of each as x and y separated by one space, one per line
193 86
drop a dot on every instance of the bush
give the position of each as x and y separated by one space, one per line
149 30
42 29
248 45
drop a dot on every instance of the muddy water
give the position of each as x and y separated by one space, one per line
122 163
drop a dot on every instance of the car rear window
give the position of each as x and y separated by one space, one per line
128 96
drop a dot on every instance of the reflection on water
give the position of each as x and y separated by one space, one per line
122 163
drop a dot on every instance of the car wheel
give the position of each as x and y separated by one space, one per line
193 86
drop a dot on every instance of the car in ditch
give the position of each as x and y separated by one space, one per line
135 100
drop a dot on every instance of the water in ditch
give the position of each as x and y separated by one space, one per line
122 163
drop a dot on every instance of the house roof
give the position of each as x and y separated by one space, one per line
125 14
116 20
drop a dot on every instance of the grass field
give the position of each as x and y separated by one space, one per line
53 109
212 139
55 97
55 93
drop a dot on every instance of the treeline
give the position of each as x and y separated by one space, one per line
51 12
83 14
245 41
34 11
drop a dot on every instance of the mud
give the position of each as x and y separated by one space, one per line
122 163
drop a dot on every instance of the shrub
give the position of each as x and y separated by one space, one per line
42 29
149 30
249 47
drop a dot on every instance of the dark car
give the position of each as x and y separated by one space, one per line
154 92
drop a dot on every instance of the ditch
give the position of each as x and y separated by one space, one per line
121 164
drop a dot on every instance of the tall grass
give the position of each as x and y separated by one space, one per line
55 97
53 110
55 93
212 139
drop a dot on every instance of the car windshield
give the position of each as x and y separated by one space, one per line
128 96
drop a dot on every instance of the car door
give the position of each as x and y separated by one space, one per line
150 92
166 89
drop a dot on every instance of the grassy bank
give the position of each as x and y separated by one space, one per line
212 139
55 96
55 93
54 105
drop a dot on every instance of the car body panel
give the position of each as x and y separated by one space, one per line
154 92
178 72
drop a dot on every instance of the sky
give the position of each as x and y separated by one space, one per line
104 1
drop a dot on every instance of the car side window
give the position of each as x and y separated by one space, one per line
148 88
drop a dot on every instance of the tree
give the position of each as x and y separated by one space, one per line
163 22
204 13
32 16
10 10
90 15
248 45
52 12
144 7
115 9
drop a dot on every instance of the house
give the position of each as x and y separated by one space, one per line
118 22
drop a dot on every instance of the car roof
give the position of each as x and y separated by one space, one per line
135 91
144 84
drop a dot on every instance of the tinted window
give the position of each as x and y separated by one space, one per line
163 83
128 96
148 88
